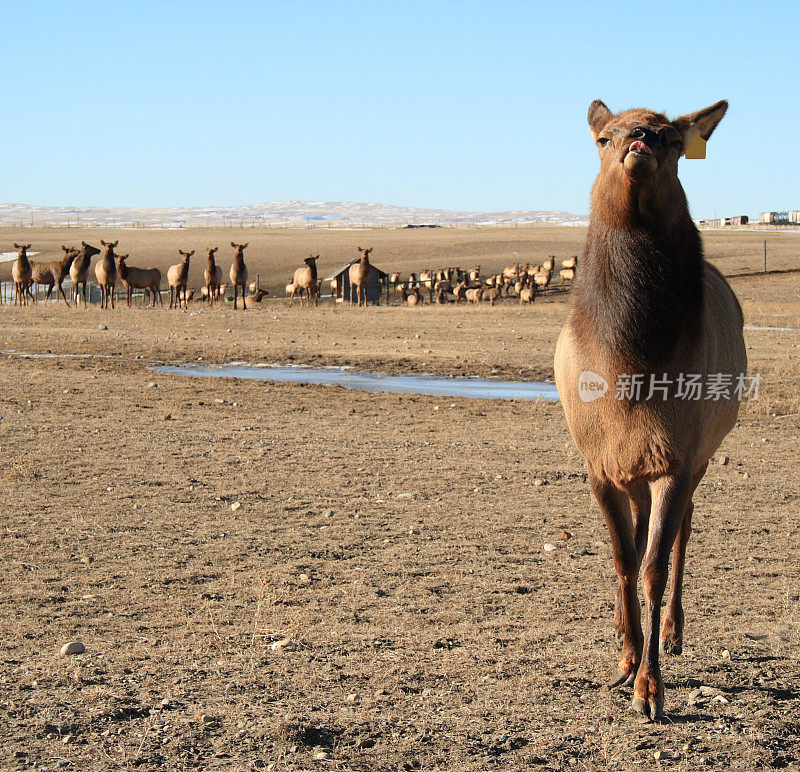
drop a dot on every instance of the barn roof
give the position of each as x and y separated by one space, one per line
341 270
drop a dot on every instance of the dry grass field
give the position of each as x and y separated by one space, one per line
294 577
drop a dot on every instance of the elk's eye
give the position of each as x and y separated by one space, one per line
603 141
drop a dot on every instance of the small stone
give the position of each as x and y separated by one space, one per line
236 506
322 755
538 482
719 698
285 644
746 475
304 578
167 416
415 532
726 654
219 401
102 326
73 647
548 547
657 754
723 460
566 536
405 495
328 513
152 385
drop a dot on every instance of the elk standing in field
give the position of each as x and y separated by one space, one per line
106 273
148 279
646 302
178 279
52 274
79 271
21 274
212 275
359 277
238 273
305 281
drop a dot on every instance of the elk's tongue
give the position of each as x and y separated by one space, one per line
640 147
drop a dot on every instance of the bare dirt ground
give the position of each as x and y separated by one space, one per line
380 599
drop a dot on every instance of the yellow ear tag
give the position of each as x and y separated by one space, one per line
697 149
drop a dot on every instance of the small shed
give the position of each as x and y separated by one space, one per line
341 291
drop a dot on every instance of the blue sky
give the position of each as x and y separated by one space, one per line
455 105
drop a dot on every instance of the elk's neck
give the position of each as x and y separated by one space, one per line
640 285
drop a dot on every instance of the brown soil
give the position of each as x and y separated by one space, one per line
396 543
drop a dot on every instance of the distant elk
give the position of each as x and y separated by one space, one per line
106 273
305 281
238 273
359 277
79 271
212 276
178 280
147 279
52 274
646 305
21 274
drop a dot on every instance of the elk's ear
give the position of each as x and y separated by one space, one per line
191 253
358 248
115 243
233 245
700 124
246 245
599 115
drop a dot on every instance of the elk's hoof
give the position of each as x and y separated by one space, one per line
623 677
648 697
669 646
652 708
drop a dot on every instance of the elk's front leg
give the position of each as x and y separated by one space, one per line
671 495
616 512
672 625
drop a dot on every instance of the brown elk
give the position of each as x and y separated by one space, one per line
412 297
53 273
238 273
106 273
212 275
21 274
79 271
305 281
148 279
359 277
646 303
178 279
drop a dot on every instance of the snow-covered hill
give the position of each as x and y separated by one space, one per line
334 214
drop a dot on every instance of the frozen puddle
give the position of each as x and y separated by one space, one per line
433 385
775 329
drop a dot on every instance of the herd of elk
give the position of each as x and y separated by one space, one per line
445 285
646 303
